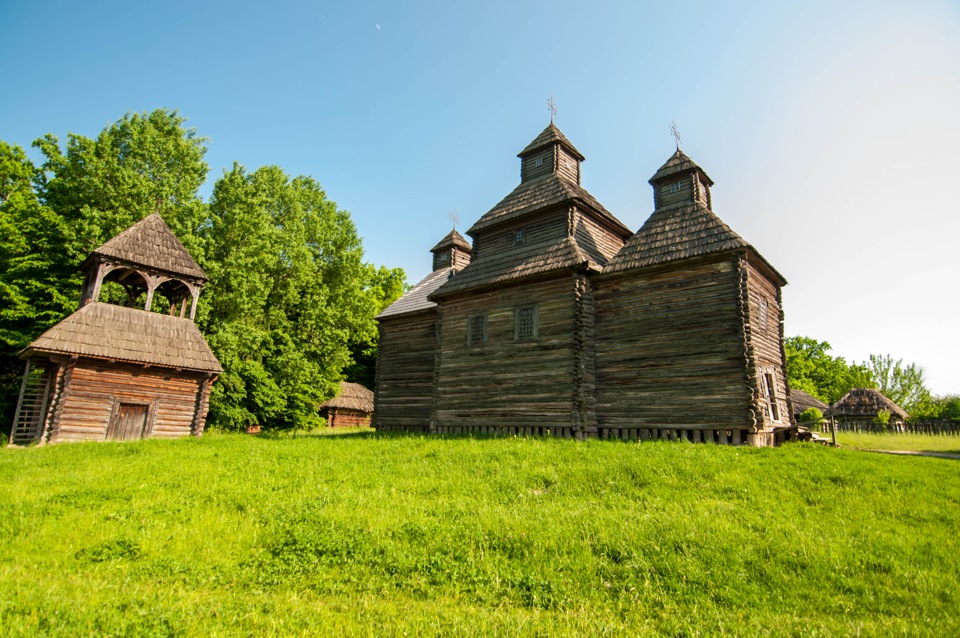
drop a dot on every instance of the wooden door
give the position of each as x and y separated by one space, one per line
128 423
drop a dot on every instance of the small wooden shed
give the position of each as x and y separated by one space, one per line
803 401
111 372
861 406
352 407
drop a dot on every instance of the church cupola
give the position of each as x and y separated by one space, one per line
550 152
453 251
681 181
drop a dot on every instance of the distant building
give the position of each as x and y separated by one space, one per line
861 406
802 401
352 406
561 321
110 372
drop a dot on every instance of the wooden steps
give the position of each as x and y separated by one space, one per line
31 406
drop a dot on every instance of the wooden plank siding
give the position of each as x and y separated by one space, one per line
670 351
543 229
403 395
508 383
96 391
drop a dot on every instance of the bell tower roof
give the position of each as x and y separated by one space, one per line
678 163
151 243
550 135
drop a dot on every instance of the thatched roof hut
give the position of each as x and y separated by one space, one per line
351 407
866 403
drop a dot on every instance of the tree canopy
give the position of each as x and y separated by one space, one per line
290 303
812 369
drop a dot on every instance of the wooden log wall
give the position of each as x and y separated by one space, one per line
670 354
505 383
95 389
345 418
765 339
568 166
544 229
403 393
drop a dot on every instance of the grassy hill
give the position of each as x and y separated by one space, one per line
358 534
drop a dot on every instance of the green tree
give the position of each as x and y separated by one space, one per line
288 293
812 369
31 293
384 285
143 163
905 385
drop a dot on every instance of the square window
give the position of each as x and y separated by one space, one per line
538 161
675 187
476 330
526 322
443 257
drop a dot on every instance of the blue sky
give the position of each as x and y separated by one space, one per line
830 128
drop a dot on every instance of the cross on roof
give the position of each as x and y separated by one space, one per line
454 217
552 106
675 132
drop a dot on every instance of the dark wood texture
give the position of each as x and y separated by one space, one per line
405 369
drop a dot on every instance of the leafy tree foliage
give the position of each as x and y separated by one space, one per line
288 293
812 369
289 300
31 291
903 384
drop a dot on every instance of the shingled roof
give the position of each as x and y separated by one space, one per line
105 331
453 238
673 233
537 194
352 396
547 137
865 402
150 242
415 299
678 163
536 259
802 401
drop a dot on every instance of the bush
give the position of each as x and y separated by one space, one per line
812 416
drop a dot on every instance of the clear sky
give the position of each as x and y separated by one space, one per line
831 129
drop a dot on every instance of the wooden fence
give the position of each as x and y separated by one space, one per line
942 427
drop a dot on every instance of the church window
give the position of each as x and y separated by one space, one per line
476 330
526 321
764 312
538 161
675 187
518 237
443 258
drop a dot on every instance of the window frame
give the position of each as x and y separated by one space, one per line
769 378
482 318
534 322
519 236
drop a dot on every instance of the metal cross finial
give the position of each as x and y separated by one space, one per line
676 133
454 217
552 106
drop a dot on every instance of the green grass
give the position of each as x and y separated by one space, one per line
915 442
366 535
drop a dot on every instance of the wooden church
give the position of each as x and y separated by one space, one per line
561 321
111 372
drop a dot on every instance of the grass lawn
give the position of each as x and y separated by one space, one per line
916 442
366 535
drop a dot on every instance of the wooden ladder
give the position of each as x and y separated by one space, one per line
31 407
